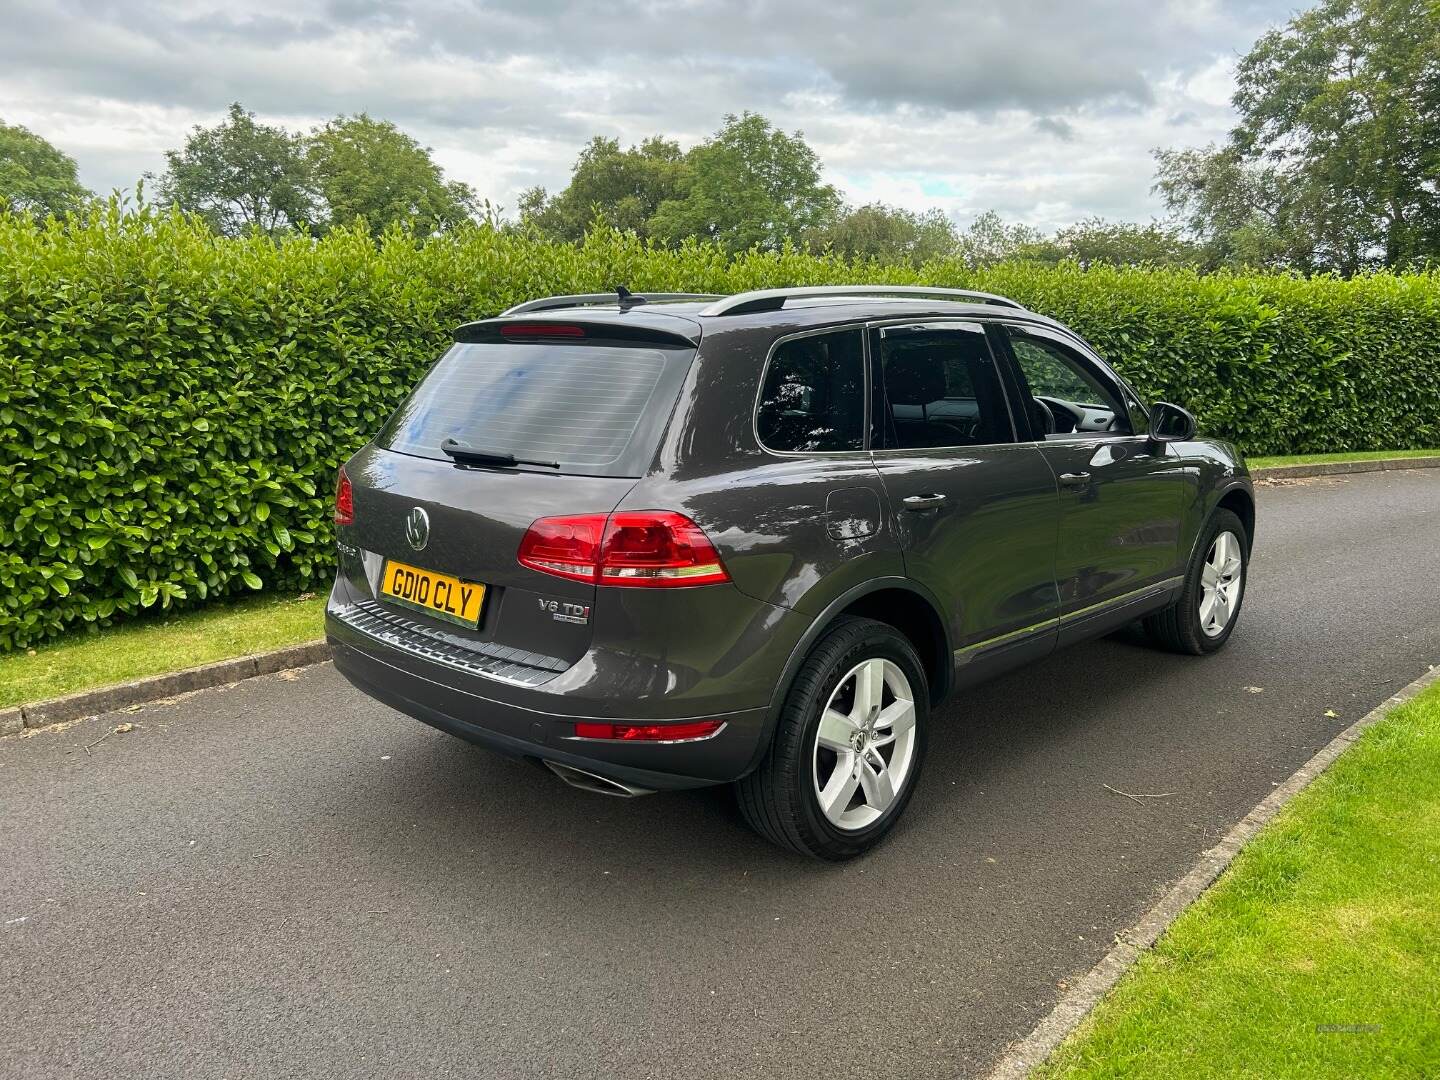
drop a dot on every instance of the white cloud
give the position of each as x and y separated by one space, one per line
1043 109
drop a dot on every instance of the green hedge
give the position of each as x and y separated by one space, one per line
173 405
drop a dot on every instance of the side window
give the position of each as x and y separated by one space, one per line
814 395
1075 399
941 388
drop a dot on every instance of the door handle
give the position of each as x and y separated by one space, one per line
1074 479
923 502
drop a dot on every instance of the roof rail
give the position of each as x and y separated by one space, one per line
550 303
774 299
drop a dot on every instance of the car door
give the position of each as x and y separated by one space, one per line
1121 495
974 509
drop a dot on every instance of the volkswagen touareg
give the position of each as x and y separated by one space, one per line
662 541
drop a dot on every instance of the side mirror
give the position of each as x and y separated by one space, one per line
1170 423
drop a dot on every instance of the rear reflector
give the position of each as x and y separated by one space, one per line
534 330
344 500
631 548
682 732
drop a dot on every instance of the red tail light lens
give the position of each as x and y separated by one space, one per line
636 549
658 548
567 547
344 500
682 732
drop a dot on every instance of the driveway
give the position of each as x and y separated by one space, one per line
283 878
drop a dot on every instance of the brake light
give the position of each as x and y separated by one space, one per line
567 547
658 548
635 549
682 732
344 500
533 330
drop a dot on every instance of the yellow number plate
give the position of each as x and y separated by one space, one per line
438 595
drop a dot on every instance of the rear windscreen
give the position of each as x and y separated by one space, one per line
591 408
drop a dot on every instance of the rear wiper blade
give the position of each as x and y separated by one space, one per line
474 455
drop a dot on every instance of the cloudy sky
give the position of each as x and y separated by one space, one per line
1045 110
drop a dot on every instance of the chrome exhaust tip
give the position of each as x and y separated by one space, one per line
593 782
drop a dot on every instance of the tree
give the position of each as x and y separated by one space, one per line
626 186
749 184
1335 163
36 178
1097 242
888 234
990 240
241 175
1239 211
367 168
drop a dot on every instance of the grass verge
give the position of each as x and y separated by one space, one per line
115 654
1317 954
1326 459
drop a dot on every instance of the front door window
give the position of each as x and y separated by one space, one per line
1069 397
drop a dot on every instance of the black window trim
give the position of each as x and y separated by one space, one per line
941 322
1097 365
775 346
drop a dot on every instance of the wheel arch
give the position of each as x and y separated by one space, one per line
900 602
1240 502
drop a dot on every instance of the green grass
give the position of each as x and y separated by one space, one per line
1331 916
1325 459
150 646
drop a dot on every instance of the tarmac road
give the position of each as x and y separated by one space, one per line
283 878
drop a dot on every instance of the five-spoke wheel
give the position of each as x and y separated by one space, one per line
848 745
1204 613
864 744
1221 579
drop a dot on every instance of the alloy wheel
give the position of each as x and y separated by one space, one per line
1221 580
865 744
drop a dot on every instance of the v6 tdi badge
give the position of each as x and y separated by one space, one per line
564 611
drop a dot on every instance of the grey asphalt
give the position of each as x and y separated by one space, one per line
283 878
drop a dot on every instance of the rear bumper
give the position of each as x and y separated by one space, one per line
428 692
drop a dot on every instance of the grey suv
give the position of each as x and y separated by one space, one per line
662 541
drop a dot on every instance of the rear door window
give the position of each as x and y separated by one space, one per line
941 388
591 408
813 400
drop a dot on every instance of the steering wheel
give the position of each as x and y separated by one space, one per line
1066 415
1042 416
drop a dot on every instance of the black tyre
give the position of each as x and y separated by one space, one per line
1204 616
848 745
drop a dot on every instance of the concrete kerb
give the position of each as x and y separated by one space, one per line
122 695
1343 468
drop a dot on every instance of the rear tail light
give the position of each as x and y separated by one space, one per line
658 548
636 549
344 500
567 547
681 732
